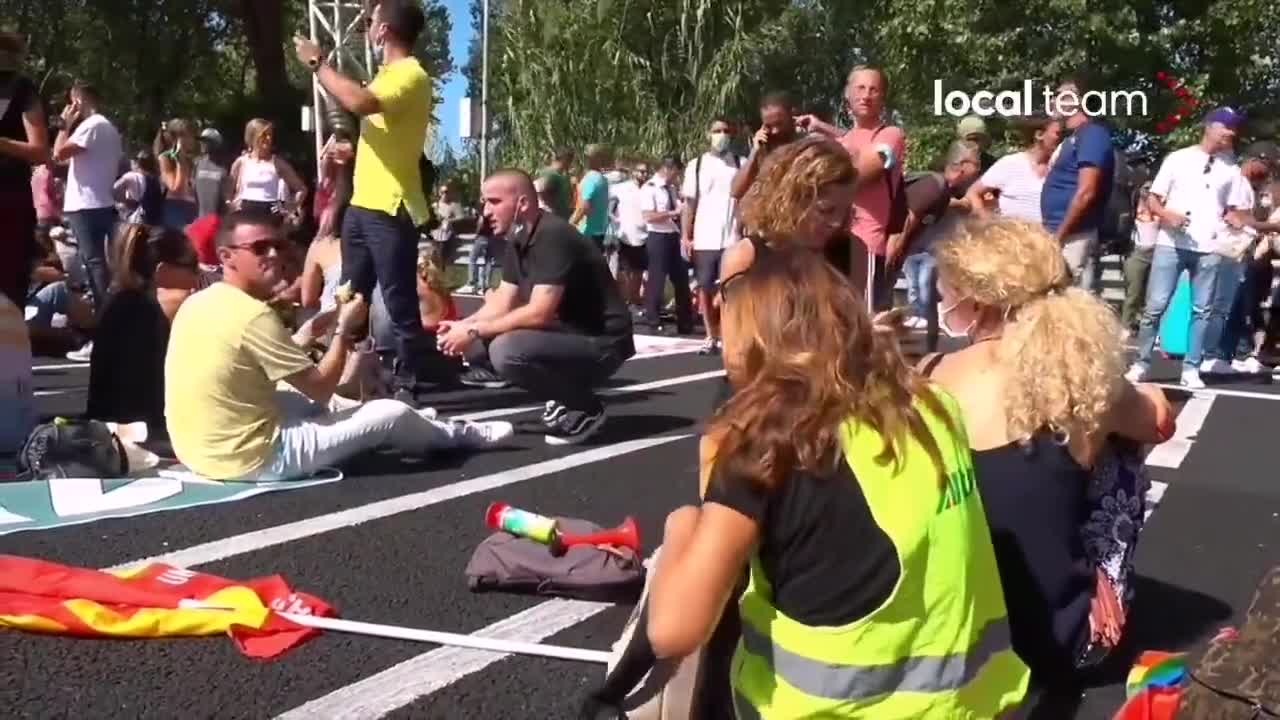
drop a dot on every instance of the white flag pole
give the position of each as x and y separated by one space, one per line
443 638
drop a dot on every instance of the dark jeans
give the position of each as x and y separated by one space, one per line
554 365
17 243
1246 316
93 230
665 261
378 249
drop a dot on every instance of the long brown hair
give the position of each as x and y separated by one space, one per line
804 359
789 183
140 249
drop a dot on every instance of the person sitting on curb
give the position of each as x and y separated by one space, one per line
556 326
228 350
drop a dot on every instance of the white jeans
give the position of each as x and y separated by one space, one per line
314 436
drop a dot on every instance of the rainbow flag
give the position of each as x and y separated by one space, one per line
153 601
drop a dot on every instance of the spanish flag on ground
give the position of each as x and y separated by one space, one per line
153 601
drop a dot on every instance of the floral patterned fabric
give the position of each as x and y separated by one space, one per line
1117 509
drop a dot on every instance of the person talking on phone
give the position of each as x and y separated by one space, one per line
92 145
24 142
380 231
777 128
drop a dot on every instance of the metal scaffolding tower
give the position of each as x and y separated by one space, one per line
338 27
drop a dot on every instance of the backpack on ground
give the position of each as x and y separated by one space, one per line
72 448
1237 676
507 563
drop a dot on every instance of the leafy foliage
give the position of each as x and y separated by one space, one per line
219 61
649 75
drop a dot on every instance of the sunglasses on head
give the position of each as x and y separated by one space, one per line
260 247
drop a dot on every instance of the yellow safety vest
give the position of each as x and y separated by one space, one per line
939 646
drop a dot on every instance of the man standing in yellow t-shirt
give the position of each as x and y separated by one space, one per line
379 235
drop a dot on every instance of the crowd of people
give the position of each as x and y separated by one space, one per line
991 492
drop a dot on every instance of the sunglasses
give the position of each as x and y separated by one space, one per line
261 247
725 284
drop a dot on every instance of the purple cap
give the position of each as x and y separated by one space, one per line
1229 118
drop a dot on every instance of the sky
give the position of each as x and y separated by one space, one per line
456 88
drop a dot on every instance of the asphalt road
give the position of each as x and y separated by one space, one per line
1204 547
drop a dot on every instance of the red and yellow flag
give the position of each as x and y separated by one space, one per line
153 601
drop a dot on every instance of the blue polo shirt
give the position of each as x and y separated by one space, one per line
1089 146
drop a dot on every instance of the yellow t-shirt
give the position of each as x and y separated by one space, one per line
227 351
391 142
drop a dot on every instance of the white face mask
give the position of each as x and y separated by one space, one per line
945 326
719 141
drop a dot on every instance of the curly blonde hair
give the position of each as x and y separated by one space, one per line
804 359
789 182
1061 345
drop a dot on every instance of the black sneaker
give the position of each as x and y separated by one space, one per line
574 426
482 378
552 412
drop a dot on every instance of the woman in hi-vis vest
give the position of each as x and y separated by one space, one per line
844 483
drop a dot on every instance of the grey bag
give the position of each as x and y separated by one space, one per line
504 562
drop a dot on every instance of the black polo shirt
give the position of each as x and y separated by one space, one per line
555 253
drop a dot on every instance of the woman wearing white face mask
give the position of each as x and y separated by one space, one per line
1042 391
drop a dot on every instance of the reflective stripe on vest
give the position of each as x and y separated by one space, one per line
939 647
854 682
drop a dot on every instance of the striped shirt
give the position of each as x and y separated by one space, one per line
1015 177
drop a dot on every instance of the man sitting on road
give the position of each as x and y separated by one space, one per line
556 326
228 350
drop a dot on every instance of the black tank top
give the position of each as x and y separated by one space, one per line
1035 496
152 200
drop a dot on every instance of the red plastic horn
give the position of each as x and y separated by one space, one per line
625 535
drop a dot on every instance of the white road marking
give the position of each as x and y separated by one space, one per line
280 534
1173 451
610 392
1154 495
64 391
402 684
59 366
1223 391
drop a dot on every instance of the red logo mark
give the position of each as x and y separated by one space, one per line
1187 103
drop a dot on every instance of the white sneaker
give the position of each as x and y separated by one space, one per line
475 435
1138 372
1191 379
467 289
916 323
1216 367
1249 365
83 354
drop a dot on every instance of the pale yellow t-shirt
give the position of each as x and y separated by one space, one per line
391 142
227 351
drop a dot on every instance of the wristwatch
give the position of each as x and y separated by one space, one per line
314 63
